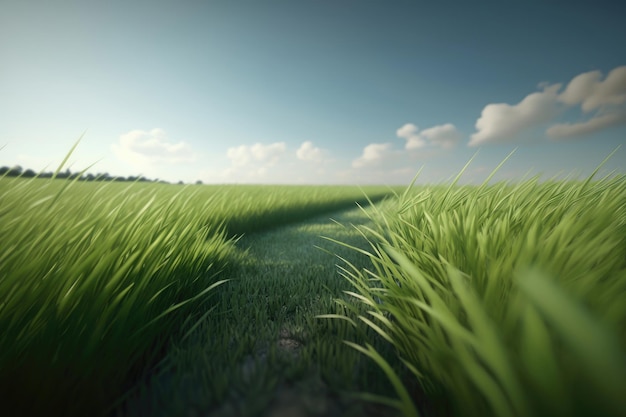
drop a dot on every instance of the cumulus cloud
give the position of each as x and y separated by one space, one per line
409 132
141 148
591 93
502 122
266 155
445 136
572 130
605 97
308 152
373 155
253 162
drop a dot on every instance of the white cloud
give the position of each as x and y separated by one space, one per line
373 155
445 136
253 162
244 155
409 132
605 97
591 93
308 152
142 148
570 130
503 122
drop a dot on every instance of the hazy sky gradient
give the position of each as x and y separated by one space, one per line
313 91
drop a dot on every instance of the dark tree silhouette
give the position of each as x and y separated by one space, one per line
18 171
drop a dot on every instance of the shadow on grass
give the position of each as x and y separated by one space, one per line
292 215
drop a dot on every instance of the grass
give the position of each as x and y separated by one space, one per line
96 277
262 343
502 299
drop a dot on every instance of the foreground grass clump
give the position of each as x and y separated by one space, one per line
96 277
504 299
92 281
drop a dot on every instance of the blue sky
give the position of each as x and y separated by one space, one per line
313 91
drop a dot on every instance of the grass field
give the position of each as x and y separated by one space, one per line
495 300
262 351
504 299
97 277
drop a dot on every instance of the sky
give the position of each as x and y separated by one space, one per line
314 92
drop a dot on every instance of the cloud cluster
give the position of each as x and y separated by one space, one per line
373 155
143 149
382 155
445 136
253 161
601 101
591 93
595 124
413 139
250 163
504 122
308 152
606 98
256 154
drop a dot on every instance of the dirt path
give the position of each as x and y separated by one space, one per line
262 351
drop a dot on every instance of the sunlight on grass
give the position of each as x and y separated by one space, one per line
96 277
508 299
502 299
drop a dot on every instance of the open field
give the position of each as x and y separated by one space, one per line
492 300
96 277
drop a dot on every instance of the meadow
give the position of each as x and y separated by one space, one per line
96 277
500 299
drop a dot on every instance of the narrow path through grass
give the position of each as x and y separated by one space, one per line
261 351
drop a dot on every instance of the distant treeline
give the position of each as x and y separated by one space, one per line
18 171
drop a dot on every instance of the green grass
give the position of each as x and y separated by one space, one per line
241 359
144 299
96 277
503 299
